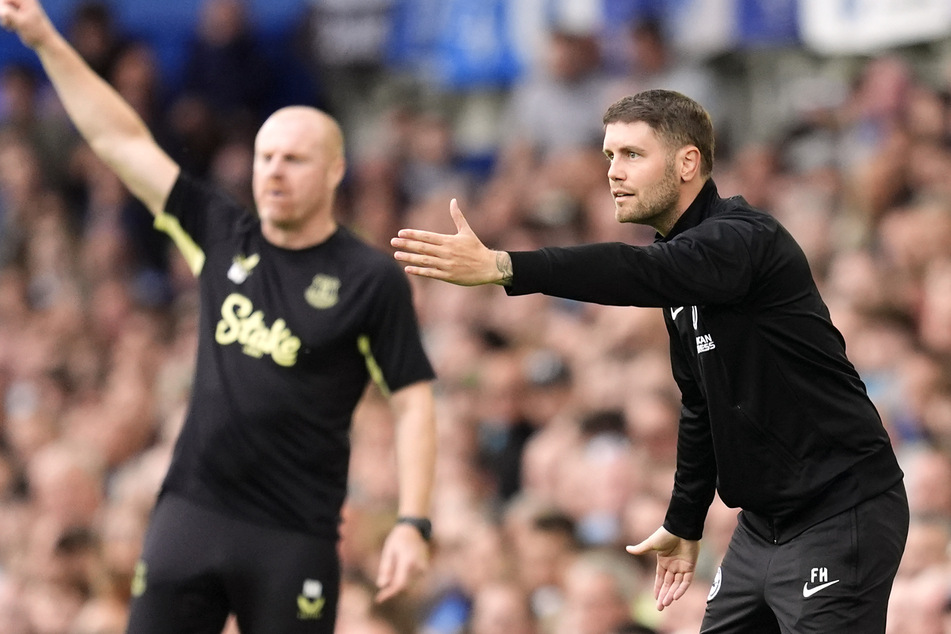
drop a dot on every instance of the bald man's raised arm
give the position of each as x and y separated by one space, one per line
112 128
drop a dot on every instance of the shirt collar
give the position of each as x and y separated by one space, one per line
696 213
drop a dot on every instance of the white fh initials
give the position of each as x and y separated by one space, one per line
819 578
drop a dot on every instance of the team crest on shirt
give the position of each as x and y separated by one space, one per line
715 587
310 602
241 267
323 292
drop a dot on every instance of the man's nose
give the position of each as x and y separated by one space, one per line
615 173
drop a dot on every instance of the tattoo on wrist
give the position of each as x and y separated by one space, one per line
504 264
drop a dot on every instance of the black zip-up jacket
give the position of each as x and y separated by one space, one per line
774 416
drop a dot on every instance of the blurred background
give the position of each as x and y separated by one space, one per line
557 420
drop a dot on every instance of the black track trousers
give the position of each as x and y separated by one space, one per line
835 577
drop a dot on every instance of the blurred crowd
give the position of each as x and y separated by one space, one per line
557 420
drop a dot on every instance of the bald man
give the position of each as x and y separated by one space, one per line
297 315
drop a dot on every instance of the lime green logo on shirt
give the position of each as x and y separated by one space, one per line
241 324
310 602
241 267
323 292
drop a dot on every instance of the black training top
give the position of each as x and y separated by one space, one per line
288 340
774 415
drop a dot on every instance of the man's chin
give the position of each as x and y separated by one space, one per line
619 213
623 214
274 216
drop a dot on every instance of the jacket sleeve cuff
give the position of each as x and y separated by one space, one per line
684 521
530 270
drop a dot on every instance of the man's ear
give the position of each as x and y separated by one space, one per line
688 161
338 171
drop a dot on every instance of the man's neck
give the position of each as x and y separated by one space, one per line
299 238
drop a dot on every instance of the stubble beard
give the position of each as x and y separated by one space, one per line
655 203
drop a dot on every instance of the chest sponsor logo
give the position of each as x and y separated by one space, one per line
241 267
243 325
705 343
323 292
310 602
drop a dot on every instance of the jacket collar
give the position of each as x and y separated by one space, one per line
696 213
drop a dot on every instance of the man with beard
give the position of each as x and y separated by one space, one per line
774 417
297 315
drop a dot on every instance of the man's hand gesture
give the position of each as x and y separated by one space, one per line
405 556
27 19
676 562
460 258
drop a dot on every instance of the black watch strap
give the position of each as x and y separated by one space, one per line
422 524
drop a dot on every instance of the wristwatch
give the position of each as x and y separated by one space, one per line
422 524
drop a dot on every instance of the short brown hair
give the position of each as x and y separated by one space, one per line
676 118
